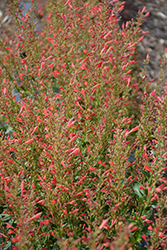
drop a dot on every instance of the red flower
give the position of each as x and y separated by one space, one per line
36 216
160 235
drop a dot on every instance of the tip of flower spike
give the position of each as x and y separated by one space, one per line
103 224
144 8
132 130
76 151
35 216
70 123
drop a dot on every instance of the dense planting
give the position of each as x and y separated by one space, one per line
83 160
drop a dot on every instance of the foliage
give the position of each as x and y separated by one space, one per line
82 165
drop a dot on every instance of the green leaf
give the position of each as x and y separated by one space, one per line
6 247
145 173
149 212
6 217
9 129
137 190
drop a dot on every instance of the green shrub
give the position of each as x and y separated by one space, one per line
75 114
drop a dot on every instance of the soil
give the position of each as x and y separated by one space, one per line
155 42
6 23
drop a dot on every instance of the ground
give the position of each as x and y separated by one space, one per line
154 43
